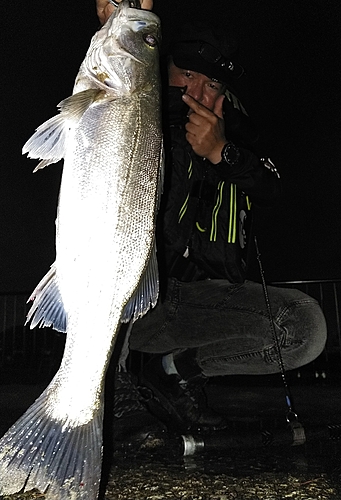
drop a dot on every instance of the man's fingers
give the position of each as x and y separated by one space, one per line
147 4
201 110
196 106
218 106
105 9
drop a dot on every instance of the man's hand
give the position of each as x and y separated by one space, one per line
206 129
105 9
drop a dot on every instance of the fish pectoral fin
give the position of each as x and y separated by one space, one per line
47 309
48 143
75 106
146 294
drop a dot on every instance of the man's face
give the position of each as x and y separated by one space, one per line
199 86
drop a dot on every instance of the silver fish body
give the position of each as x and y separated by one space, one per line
105 272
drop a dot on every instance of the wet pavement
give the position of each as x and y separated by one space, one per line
254 458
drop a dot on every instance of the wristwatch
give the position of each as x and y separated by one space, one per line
230 153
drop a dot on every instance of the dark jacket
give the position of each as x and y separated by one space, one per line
205 216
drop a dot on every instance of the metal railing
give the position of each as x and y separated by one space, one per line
328 294
22 349
40 350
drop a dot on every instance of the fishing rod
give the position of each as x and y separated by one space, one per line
295 426
226 441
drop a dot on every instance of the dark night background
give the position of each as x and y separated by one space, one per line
291 51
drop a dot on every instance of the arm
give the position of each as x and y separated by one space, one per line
259 179
206 134
206 128
105 9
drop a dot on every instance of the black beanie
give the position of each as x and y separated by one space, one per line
199 48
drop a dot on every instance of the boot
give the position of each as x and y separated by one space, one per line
179 402
133 425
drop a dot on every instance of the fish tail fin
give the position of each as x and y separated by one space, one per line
62 461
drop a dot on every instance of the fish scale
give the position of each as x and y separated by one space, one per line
109 135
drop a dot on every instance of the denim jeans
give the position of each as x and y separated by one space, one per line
228 326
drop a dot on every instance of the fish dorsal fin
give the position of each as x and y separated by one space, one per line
161 177
146 294
48 143
47 309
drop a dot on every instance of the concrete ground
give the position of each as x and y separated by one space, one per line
253 459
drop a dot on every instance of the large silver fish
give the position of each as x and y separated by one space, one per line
105 272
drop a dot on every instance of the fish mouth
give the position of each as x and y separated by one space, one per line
111 68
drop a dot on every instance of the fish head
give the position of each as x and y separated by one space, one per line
123 56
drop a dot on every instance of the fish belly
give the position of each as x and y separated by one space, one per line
105 235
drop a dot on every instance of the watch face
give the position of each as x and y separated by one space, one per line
230 153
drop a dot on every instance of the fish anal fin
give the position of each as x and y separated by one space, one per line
146 294
47 309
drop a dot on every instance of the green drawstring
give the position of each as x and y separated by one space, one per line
214 226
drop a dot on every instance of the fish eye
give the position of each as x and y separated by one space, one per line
150 39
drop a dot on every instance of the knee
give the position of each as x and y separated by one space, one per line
306 331
315 335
